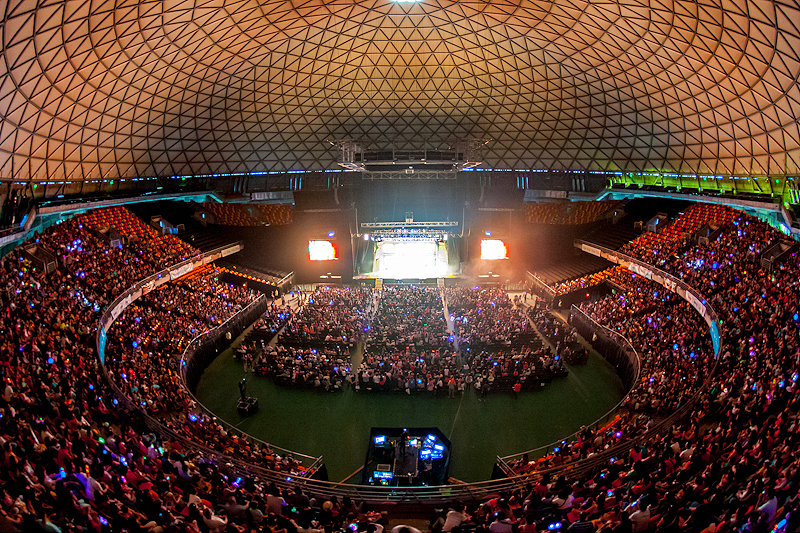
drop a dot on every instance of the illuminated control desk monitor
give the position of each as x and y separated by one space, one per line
406 457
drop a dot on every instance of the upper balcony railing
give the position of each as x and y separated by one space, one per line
432 494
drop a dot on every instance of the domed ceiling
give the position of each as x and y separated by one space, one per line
124 88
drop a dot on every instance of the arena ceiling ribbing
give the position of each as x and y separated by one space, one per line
123 88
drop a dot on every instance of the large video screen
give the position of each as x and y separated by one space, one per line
493 249
322 251
410 259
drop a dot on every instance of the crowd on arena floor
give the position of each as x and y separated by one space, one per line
73 461
733 463
253 349
485 318
490 347
331 316
563 337
315 341
408 346
411 316
324 368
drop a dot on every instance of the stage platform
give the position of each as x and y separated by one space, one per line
426 279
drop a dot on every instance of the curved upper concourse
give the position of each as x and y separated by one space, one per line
400 266
119 89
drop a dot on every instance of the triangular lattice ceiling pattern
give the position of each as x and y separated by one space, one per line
124 88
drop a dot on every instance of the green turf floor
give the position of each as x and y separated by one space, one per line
336 425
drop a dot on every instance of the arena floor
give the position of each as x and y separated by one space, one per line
336 425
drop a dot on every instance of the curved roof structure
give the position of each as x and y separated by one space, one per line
126 88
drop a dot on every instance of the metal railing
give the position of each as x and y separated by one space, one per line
133 293
208 337
539 287
286 282
635 361
468 491
682 289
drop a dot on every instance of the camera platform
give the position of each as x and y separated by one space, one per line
247 406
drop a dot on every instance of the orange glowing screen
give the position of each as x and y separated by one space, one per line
492 249
322 251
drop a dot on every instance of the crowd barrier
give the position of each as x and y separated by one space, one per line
613 346
620 349
198 354
619 352
540 288
205 347
432 495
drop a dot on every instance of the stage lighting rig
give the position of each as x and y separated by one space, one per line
408 162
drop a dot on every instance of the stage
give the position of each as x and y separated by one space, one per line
432 280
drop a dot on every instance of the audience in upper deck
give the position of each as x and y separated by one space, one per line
73 461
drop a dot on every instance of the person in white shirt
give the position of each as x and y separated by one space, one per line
455 517
770 506
686 455
402 528
640 518
214 523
